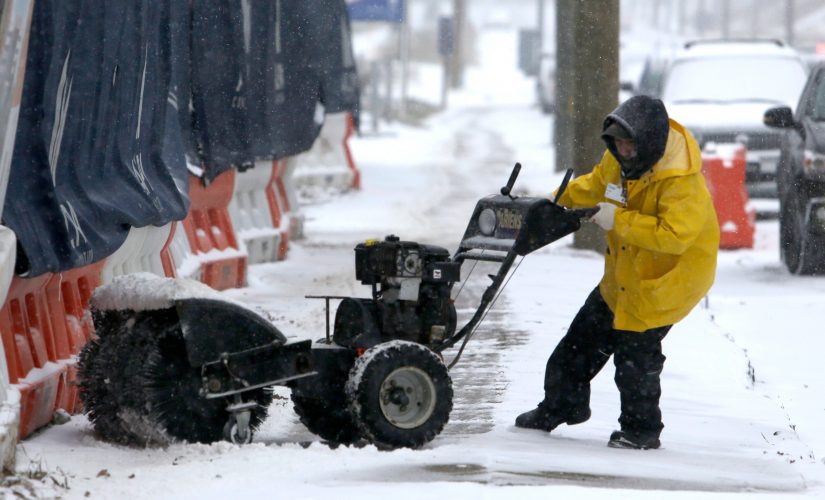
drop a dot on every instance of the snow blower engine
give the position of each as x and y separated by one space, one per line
173 361
410 301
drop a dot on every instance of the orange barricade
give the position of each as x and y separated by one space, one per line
280 206
44 324
257 214
210 233
329 164
286 178
724 170
146 249
167 259
356 174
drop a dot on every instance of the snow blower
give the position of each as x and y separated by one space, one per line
173 361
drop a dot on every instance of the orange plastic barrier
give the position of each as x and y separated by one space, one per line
252 214
44 324
329 164
279 205
209 229
724 170
166 258
356 174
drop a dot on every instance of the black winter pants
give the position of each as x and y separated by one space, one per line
581 354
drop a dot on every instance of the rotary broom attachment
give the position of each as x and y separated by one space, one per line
138 388
147 380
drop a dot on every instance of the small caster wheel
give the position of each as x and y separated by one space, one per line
233 432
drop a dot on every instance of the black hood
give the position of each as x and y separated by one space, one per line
645 119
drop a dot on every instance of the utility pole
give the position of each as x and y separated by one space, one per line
457 60
681 23
789 20
725 19
755 18
540 16
587 86
446 25
404 49
656 5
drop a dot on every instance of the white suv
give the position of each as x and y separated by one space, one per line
720 90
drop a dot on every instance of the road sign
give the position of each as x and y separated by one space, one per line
446 36
376 10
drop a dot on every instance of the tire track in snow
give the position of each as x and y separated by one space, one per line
479 378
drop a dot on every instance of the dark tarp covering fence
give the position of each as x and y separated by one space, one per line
118 95
273 69
340 90
91 153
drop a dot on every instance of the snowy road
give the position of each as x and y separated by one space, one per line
742 393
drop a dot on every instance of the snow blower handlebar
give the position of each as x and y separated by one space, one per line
503 227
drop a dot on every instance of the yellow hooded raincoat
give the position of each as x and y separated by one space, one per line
661 255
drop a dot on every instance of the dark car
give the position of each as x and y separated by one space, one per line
650 80
801 177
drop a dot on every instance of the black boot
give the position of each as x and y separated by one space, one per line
545 419
634 440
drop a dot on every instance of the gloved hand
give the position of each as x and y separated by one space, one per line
604 217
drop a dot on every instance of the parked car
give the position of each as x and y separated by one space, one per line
801 177
812 59
546 82
651 79
720 89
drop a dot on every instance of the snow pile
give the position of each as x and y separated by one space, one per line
147 292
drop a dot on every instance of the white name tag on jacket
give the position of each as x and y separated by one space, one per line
614 192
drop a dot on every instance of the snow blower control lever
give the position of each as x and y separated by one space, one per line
200 368
505 191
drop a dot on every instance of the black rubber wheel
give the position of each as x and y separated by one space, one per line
400 395
321 401
800 249
330 420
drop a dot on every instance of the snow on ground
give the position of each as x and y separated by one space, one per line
742 390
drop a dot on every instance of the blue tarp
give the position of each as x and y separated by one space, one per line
270 65
339 78
118 95
96 149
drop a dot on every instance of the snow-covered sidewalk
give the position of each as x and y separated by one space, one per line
742 393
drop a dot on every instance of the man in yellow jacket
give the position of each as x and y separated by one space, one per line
662 240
